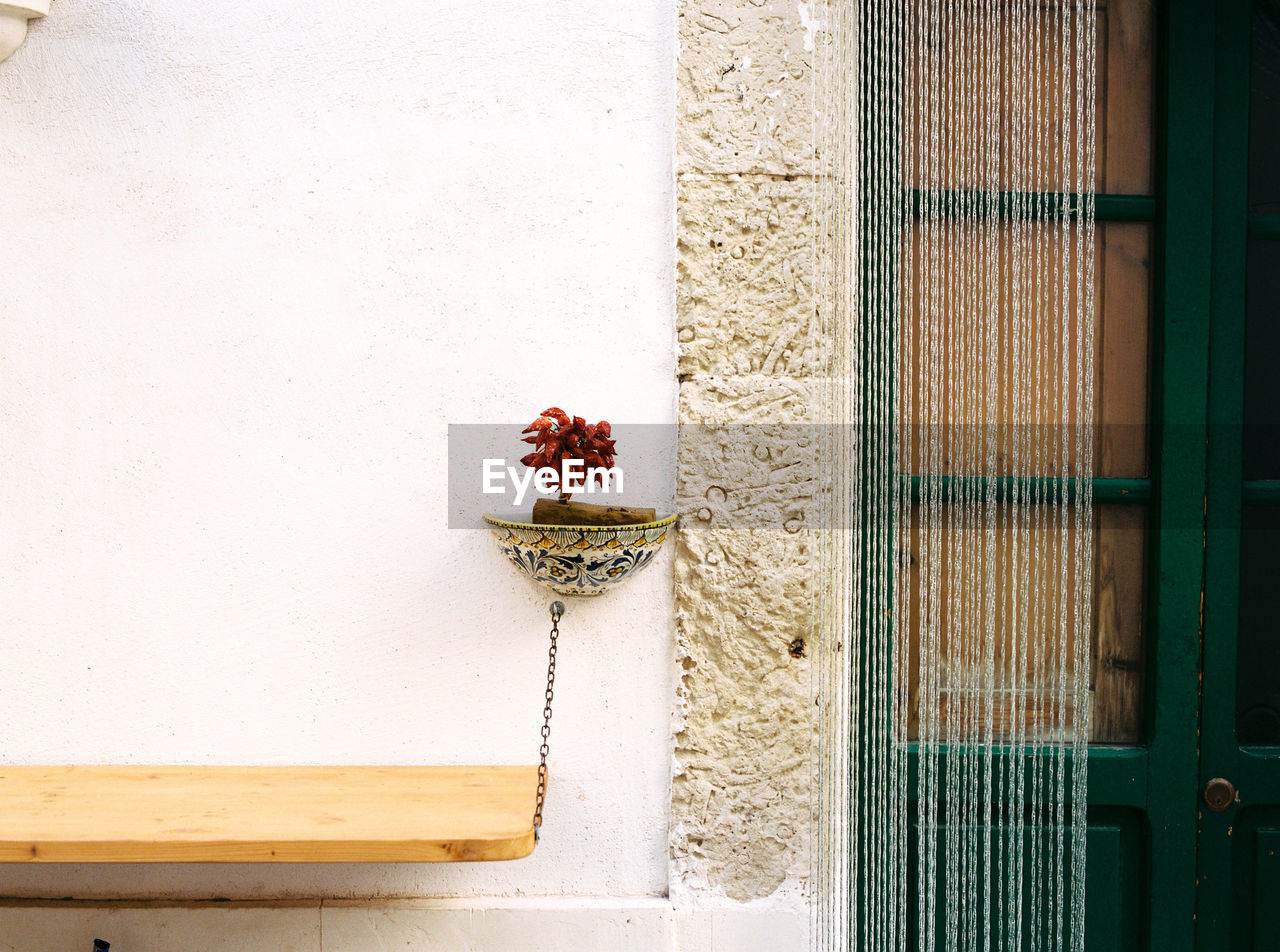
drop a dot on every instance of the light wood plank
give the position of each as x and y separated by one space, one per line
1119 656
1029 592
1031 82
947 366
1123 358
1127 60
179 814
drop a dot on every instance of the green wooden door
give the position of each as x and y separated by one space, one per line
1208 876
1238 873
1165 872
1191 876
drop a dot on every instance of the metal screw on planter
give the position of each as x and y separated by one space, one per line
557 611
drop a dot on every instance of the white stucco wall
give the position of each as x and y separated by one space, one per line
256 257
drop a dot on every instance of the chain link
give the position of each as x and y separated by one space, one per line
557 611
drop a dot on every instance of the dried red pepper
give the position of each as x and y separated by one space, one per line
558 437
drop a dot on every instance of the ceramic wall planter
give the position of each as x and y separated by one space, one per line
580 560
14 17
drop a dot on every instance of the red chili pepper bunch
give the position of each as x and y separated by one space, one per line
558 437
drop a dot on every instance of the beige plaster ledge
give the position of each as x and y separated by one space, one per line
14 17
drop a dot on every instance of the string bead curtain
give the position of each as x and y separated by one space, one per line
955 268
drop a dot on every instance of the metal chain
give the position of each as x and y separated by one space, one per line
557 611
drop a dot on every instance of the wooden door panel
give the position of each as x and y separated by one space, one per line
1115 887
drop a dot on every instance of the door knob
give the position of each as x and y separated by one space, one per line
1219 794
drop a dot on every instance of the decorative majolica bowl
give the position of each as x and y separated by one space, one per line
580 560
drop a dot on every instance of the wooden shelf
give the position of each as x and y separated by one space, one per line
265 814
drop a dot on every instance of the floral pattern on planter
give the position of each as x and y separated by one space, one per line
580 560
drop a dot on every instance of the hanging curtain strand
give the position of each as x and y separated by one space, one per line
955 301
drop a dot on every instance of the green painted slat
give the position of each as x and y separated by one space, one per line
1254 914
1036 205
1117 775
1266 885
1113 889
1262 492
1254 773
1264 226
1032 488
875 552
1181 299
1114 881
1219 752
1124 208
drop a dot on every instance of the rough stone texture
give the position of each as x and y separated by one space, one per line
743 591
745 97
748 372
745 267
